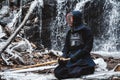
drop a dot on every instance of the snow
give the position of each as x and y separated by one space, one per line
34 3
57 53
100 64
34 76
60 1
27 76
115 55
4 11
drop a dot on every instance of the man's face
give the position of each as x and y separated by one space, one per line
69 19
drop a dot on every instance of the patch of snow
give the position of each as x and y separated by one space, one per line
115 55
33 5
4 10
45 51
100 64
57 53
1 45
60 1
27 76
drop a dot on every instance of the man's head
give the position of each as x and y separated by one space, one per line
74 18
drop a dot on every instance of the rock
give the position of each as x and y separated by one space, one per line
48 15
15 3
117 68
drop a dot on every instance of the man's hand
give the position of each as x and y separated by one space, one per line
62 60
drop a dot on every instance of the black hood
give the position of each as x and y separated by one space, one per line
77 18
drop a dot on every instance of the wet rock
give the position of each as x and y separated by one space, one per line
32 33
15 3
48 15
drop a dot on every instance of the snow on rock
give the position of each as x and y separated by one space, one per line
60 1
15 49
4 11
56 53
1 44
100 64
34 3
115 55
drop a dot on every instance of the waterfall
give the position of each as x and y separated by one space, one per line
40 18
59 26
109 41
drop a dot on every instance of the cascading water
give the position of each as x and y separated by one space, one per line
59 26
108 40
112 33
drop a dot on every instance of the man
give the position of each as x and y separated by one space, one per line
78 44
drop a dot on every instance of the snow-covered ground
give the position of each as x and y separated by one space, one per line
35 76
26 74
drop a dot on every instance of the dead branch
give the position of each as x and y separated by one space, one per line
37 65
42 64
35 69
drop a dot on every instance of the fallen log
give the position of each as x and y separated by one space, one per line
32 6
117 68
36 65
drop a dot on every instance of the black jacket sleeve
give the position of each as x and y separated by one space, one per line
88 41
66 46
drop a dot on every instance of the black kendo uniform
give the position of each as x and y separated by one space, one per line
78 44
